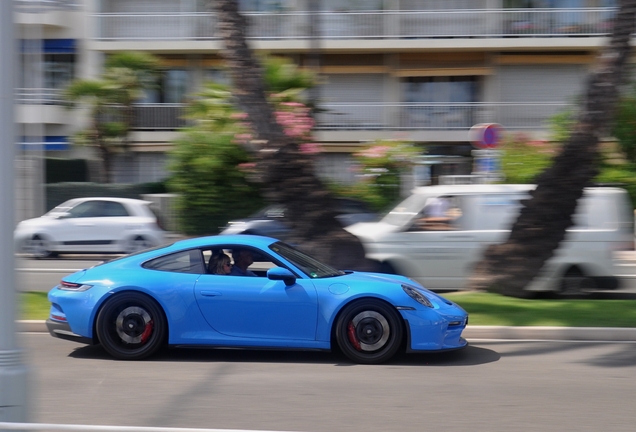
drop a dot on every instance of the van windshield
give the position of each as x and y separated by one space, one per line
406 210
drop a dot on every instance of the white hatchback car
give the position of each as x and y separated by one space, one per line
91 225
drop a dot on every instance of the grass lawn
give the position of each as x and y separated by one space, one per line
494 309
484 309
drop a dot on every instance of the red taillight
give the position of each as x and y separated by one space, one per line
70 286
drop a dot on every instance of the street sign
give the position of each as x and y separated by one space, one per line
485 135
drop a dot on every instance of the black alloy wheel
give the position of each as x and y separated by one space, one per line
369 331
131 326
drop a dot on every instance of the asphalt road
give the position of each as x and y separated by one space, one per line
489 386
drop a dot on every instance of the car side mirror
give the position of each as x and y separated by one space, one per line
279 273
64 215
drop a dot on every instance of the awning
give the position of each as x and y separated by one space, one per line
48 46
50 143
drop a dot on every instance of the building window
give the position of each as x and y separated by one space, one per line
439 102
440 89
173 87
263 5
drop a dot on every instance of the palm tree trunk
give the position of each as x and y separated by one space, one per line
287 173
542 223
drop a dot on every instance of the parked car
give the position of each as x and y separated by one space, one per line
270 221
91 225
438 234
136 304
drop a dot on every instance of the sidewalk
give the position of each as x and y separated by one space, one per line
606 334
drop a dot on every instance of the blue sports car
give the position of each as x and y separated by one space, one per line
173 295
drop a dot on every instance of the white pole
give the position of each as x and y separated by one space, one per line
13 373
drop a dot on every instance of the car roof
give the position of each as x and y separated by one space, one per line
234 239
495 188
116 199
472 188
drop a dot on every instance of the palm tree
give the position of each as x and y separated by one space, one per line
288 174
541 226
110 101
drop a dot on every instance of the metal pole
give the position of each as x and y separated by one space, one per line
13 373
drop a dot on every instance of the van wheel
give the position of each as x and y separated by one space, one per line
575 283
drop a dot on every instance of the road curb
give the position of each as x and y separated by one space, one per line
610 334
551 333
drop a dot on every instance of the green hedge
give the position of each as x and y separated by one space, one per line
66 170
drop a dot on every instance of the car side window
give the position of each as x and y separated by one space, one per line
189 261
260 262
86 209
114 209
440 213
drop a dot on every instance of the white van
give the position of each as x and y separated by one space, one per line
439 233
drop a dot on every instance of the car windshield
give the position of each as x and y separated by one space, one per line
311 266
406 210
62 208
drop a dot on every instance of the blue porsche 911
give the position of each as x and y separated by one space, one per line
274 296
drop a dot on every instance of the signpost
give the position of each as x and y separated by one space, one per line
486 137
13 373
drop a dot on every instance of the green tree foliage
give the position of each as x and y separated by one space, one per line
625 125
110 100
524 159
381 166
213 168
209 167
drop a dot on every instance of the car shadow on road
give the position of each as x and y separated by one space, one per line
469 356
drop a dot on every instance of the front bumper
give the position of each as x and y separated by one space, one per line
63 331
443 334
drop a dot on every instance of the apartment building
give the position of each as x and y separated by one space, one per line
418 70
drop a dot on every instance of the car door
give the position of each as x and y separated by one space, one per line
256 307
436 248
93 225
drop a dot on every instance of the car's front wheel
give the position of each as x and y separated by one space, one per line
38 247
369 331
131 326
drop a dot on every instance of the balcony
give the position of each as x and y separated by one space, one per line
387 116
39 96
364 25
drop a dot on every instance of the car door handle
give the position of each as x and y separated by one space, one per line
210 293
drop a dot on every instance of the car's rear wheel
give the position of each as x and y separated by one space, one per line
131 326
38 247
137 244
369 331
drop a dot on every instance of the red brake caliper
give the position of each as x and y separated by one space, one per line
147 331
351 332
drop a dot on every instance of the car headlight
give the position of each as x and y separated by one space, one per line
69 286
417 295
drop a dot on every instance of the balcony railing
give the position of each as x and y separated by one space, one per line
39 96
387 116
44 5
459 23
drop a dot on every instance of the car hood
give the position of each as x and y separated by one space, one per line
395 281
39 221
371 230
